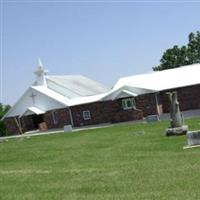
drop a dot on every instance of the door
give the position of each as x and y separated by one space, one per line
37 119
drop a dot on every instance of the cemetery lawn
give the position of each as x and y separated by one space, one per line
127 161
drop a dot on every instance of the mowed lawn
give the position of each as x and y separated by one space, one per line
127 161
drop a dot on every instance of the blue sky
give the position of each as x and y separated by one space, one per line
103 40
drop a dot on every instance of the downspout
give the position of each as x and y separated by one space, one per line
157 106
71 117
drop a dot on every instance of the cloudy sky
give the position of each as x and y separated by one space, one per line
103 40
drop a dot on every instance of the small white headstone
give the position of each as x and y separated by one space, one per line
68 128
193 138
152 118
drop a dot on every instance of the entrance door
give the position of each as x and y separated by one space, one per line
37 119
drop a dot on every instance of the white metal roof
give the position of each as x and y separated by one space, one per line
73 86
163 80
86 100
72 90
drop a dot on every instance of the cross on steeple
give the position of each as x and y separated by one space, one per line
33 97
40 70
40 74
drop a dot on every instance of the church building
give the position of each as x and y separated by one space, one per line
56 101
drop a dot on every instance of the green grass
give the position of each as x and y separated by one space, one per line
129 161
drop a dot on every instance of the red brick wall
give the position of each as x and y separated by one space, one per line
11 126
99 113
127 115
188 97
121 115
62 118
103 112
147 103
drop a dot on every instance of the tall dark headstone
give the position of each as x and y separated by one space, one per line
177 122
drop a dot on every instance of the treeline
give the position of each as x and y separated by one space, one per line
183 55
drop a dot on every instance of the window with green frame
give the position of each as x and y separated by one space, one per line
128 103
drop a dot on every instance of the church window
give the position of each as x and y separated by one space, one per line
128 103
86 115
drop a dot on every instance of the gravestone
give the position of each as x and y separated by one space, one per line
193 138
177 123
67 128
152 118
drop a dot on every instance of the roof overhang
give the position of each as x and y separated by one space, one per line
126 91
31 111
123 94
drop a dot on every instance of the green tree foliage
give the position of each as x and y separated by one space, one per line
3 110
179 56
194 47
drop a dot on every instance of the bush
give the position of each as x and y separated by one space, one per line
3 110
2 129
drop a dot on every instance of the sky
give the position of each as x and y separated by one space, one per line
102 40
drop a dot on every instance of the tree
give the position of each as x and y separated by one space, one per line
194 47
179 56
3 110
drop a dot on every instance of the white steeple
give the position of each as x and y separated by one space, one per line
40 73
40 62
